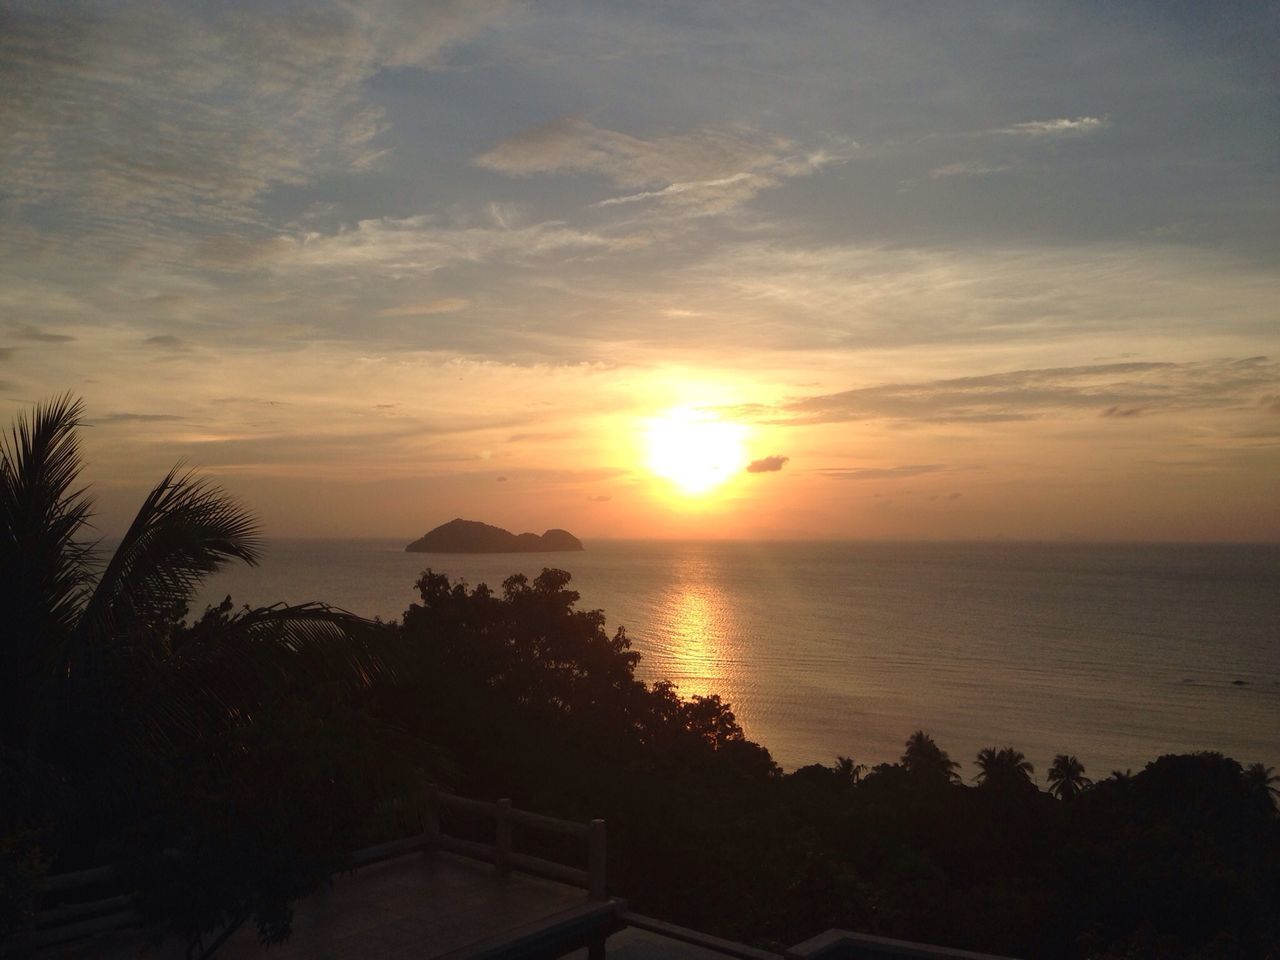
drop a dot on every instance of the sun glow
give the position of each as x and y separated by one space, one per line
696 452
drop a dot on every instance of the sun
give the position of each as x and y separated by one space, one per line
695 451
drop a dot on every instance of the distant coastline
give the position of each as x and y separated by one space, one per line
472 536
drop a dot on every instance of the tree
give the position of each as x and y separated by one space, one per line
848 772
1003 767
81 629
1066 777
1262 779
102 688
924 758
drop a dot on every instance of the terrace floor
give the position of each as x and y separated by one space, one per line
412 906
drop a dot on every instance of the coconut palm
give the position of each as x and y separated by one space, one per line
1066 777
1003 767
93 643
849 772
1262 780
924 758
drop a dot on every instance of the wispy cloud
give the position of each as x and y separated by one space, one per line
1057 127
972 169
128 417
416 245
428 309
707 170
1120 413
167 341
1119 389
28 332
136 117
882 473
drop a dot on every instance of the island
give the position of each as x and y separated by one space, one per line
472 536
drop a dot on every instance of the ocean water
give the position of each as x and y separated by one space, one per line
1115 653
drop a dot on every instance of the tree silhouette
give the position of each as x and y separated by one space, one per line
1003 767
848 772
111 709
1066 777
925 759
1262 780
83 631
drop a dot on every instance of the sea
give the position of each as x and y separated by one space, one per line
1116 653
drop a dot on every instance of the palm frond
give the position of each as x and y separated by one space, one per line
223 674
185 530
45 570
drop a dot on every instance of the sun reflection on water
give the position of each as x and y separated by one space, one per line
697 627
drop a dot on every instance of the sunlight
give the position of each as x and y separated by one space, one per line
695 451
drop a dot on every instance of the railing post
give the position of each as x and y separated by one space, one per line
503 837
596 861
431 832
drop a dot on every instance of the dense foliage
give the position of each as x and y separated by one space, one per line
231 764
530 698
127 736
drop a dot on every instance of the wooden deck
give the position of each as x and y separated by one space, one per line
413 906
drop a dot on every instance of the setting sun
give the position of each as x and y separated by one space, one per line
696 452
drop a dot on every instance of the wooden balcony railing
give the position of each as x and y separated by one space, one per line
501 852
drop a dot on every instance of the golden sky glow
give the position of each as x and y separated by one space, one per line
377 265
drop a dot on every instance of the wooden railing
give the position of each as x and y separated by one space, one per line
71 921
80 918
500 852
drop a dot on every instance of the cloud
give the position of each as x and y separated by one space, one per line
600 498
501 479
967 170
1059 127
427 309
249 401
1115 411
6 353
791 295
126 417
882 473
29 332
399 247
165 341
230 251
138 118
540 435
711 170
767 464
1124 388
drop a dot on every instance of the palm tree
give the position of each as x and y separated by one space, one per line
90 641
1262 779
110 705
1003 767
926 759
848 771
1066 777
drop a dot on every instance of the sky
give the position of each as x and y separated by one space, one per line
981 270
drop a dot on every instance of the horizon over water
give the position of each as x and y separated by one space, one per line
1114 652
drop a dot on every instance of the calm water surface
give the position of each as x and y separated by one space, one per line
1116 653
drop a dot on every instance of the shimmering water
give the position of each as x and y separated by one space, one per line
1115 653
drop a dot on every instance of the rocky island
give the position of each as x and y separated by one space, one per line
472 536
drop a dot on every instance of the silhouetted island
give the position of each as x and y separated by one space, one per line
472 536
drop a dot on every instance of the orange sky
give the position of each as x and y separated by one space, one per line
374 267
